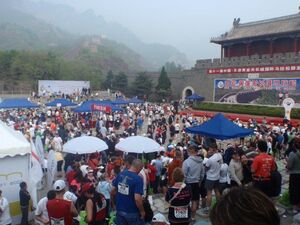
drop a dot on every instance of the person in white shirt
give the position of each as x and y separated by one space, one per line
5 218
236 169
145 178
224 180
57 143
41 213
213 168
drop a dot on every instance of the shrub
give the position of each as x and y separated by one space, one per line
246 109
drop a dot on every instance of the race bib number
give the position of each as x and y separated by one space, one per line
60 221
123 189
181 213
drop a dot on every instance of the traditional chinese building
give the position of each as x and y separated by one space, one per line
258 61
278 35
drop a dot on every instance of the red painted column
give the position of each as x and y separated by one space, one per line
296 44
271 47
228 51
247 48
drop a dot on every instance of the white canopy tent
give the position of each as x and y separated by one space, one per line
15 162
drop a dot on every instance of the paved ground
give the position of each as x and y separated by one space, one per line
160 206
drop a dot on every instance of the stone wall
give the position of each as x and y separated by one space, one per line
254 60
203 83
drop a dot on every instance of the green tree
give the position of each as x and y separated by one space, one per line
120 83
163 87
108 82
141 86
172 67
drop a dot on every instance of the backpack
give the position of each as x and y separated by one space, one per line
100 207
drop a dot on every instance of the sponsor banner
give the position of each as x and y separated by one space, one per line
49 87
102 108
266 91
255 69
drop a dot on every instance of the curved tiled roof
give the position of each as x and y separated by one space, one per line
280 25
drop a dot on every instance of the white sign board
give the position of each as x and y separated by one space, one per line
47 87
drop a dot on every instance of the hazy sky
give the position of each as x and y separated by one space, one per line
186 24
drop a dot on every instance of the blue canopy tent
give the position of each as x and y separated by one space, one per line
120 101
87 106
17 103
62 102
220 128
135 100
195 97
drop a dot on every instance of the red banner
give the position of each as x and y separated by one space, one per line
103 108
255 69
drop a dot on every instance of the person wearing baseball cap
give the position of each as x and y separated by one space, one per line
159 219
60 210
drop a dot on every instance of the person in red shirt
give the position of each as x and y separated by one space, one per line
94 161
177 162
70 175
53 127
262 167
151 173
60 211
110 166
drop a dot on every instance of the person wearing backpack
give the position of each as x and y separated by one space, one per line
293 167
95 205
179 197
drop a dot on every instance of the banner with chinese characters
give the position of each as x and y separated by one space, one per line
255 69
101 108
265 91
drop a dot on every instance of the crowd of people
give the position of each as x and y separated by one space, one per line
111 187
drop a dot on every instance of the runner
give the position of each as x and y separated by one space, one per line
60 211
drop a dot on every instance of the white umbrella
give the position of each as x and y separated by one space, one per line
138 144
85 145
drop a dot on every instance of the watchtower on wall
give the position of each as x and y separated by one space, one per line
272 36
262 49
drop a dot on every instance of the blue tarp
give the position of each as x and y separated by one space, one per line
17 103
220 128
86 106
120 101
62 102
135 100
195 97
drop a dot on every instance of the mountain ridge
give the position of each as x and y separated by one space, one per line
88 23
22 31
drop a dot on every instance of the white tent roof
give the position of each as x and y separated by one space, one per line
12 142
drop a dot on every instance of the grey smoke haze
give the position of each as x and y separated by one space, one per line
187 25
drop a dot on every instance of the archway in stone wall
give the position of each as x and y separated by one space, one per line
187 91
